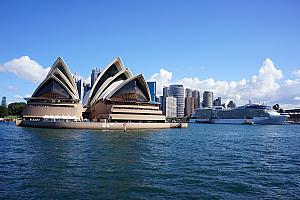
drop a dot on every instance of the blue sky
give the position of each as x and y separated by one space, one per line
223 40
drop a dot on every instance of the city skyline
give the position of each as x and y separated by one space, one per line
235 52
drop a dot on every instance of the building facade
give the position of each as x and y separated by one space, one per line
152 89
231 104
116 96
56 98
171 111
189 106
94 75
188 92
3 102
218 102
177 91
208 99
197 99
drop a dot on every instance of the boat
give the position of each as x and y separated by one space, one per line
247 114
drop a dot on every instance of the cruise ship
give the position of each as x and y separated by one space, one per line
247 114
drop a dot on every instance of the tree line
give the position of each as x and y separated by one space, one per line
13 109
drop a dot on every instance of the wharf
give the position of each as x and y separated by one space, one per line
99 125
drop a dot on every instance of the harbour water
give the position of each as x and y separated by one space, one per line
204 161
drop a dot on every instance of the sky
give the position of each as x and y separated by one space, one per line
241 50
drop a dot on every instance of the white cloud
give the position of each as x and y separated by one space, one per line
162 79
25 68
297 98
18 96
297 73
12 88
88 80
266 86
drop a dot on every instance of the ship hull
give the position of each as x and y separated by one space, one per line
272 120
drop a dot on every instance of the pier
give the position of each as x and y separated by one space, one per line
98 125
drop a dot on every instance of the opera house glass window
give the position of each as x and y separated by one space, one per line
53 90
132 91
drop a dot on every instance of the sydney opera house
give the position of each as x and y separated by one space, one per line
116 96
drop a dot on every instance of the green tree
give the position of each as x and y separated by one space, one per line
16 108
3 111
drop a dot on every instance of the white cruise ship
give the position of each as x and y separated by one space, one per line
247 114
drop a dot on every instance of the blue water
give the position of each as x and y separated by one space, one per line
204 161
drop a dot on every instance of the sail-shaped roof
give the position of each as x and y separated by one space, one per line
58 81
111 70
120 76
132 89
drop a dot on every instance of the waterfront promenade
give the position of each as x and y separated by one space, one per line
99 125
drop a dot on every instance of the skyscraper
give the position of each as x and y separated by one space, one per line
188 102
197 99
78 81
165 91
152 88
79 88
218 101
171 111
95 73
231 104
208 99
177 91
189 106
188 92
86 88
3 102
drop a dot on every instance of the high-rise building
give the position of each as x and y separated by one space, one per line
165 91
79 88
177 91
197 99
162 100
208 99
3 102
218 102
152 89
86 88
171 110
95 73
189 106
188 92
78 81
231 104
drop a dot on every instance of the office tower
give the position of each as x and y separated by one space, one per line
231 104
165 91
197 99
78 81
152 89
218 102
86 88
162 100
156 99
189 106
208 99
177 91
79 88
3 102
171 110
95 73
188 92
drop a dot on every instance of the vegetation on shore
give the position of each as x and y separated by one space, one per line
12 111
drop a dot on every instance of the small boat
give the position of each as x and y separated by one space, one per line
248 122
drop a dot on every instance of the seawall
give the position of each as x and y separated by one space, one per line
99 125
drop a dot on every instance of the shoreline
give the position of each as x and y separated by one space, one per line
99 125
